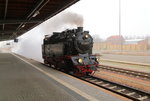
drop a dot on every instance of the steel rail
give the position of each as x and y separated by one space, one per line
137 74
120 89
123 90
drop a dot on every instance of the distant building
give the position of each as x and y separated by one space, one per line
133 41
115 39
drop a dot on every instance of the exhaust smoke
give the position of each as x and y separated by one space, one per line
29 44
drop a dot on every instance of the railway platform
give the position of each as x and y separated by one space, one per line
23 79
137 63
127 58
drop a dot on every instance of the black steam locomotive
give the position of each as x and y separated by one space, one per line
70 51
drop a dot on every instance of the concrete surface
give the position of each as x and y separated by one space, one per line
143 60
20 81
130 58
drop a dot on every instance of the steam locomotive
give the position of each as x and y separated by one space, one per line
70 51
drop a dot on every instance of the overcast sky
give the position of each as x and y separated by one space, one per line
102 16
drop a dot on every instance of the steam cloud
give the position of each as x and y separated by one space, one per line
29 44
62 21
72 18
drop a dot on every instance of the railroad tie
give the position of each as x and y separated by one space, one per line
105 84
129 94
121 90
112 87
99 82
143 98
87 79
145 75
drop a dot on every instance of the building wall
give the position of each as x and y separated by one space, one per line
129 47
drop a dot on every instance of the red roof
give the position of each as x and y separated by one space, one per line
115 37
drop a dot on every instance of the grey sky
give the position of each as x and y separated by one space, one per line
102 16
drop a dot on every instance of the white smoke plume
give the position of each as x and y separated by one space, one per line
29 44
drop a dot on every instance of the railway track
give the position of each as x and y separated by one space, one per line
129 92
120 89
137 74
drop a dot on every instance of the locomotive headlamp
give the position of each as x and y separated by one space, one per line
86 36
80 60
97 59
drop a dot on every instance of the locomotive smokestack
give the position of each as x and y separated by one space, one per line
80 29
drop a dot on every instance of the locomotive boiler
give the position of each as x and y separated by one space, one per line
70 51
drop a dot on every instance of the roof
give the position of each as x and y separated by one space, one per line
20 16
134 41
115 37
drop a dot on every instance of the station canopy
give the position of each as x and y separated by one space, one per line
20 16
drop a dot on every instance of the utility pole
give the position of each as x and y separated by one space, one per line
121 43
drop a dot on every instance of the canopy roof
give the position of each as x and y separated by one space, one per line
20 16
